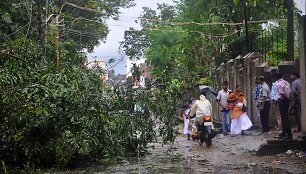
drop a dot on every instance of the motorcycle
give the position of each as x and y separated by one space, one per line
203 132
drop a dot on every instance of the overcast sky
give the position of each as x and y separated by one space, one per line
108 50
301 6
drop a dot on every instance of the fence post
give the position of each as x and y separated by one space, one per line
229 72
302 44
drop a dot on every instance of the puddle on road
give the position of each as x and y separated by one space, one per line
178 164
174 164
185 157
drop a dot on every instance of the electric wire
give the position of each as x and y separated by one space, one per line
19 29
206 23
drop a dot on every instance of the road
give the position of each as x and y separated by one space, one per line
227 155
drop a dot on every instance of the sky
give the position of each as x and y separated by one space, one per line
301 5
108 50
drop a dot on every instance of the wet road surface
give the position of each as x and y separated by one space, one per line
228 155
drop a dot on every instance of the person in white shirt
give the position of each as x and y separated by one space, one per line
201 108
264 105
283 98
275 105
225 111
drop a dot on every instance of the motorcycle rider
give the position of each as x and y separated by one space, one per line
201 108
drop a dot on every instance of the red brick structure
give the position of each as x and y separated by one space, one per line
145 71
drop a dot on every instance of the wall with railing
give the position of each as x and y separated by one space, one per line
243 71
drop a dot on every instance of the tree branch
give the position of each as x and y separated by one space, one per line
20 59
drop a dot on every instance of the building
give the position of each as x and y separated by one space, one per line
145 74
116 81
96 65
130 63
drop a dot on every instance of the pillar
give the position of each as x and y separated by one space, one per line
229 72
303 71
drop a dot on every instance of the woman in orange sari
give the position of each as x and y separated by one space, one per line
239 94
240 121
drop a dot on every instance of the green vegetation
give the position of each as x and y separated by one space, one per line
57 115
186 42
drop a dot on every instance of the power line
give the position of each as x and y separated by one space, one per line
79 33
205 23
194 31
200 24
79 7
19 29
91 34
186 22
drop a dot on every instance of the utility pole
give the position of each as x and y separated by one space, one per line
103 78
246 18
57 41
57 22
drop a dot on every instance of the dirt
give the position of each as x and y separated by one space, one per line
227 155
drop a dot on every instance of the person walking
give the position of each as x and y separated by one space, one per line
275 105
283 88
264 105
240 122
256 98
186 110
296 96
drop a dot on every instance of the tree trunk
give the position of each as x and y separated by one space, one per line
39 10
197 49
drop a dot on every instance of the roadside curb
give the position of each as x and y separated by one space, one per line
274 147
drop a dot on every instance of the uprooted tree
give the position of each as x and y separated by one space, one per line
57 115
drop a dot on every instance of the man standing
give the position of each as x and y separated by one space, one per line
275 105
264 105
283 98
256 98
222 101
296 94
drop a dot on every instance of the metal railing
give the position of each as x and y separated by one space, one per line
271 44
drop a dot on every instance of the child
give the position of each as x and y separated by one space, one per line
186 111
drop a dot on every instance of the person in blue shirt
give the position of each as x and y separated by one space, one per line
256 98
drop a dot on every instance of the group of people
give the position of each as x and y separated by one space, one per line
233 104
282 98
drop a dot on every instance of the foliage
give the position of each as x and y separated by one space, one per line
180 41
57 115
82 23
183 44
